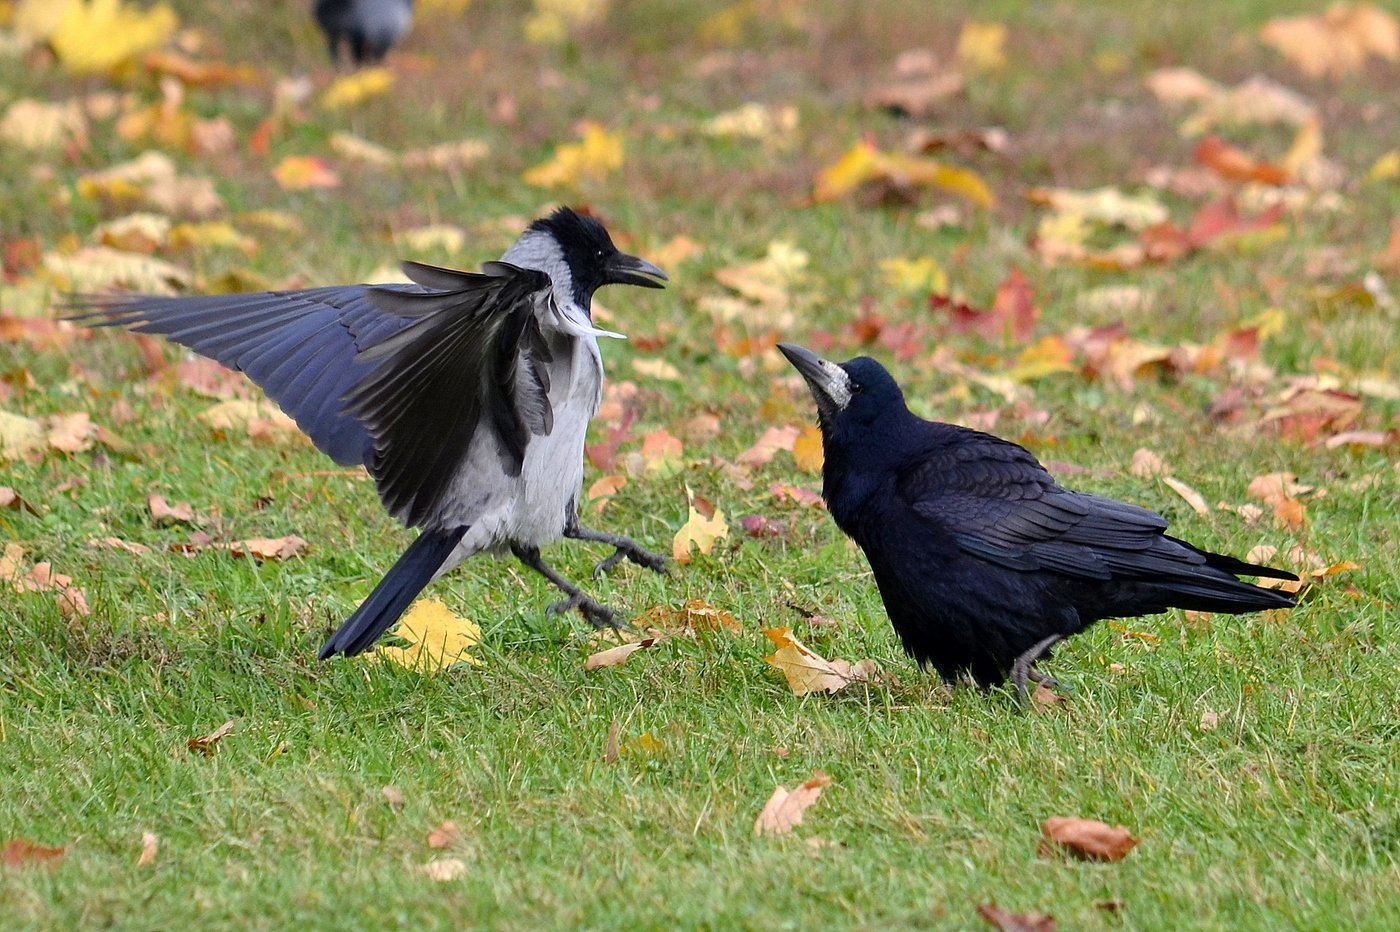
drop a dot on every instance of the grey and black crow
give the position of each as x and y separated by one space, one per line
368 27
466 396
983 561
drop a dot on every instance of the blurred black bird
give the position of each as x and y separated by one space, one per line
368 27
983 561
466 396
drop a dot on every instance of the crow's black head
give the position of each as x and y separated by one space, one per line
568 245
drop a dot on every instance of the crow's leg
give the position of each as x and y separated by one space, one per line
1045 679
598 614
626 547
1023 668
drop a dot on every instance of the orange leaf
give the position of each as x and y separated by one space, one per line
445 835
205 744
1090 838
21 852
807 450
299 172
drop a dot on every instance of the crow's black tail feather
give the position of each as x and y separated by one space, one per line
414 570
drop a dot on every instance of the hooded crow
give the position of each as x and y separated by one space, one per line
369 27
466 396
984 562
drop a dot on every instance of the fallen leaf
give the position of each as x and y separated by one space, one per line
393 796
1016 922
21 852
769 124
445 835
37 125
809 672
701 529
767 446
1233 163
437 638
657 369
598 154
303 172
807 450
12 500
263 549
783 811
1147 464
1193 498
863 164
1209 720
552 22
616 656
150 847
163 513
357 87
443 870
95 35
20 437
207 744
1335 42
694 616
1090 838
982 46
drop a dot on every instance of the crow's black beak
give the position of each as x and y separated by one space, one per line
829 383
623 269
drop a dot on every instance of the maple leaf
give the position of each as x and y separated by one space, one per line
1233 163
1336 42
704 525
20 437
98 268
767 446
163 513
807 450
96 35
357 87
864 163
768 124
1090 838
598 154
809 672
437 638
914 276
301 172
602 491
661 454
784 809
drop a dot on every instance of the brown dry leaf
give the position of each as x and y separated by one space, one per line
393 796
21 852
919 96
207 744
1209 720
445 835
20 437
263 549
1016 922
783 811
116 543
807 450
1193 498
39 125
767 446
11 564
1336 42
12 500
704 525
694 616
150 847
616 656
163 513
1306 413
443 870
809 672
612 746
258 417
1090 838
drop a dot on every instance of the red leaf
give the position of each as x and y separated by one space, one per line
21 852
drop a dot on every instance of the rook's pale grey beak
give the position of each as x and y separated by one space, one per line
829 383
623 269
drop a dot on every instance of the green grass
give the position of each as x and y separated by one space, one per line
1286 813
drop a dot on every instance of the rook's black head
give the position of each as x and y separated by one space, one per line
579 256
851 396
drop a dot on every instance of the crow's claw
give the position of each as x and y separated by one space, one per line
652 561
598 614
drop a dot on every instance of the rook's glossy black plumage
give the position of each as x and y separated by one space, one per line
983 560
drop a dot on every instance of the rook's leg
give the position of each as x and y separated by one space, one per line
1023 668
598 614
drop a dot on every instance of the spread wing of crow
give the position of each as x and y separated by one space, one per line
397 378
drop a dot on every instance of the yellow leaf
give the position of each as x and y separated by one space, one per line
357 87
1336 42
1387 167
698 530
437 639
215 233
1047 356
553 21
298 172
595 156
807 450
447 237
809 672
774 125
37 125
864 163
657 369
98 268
982 46
20 437
95 35
915 276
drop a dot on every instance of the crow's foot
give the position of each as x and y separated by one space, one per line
626 549
1023 668
598 614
